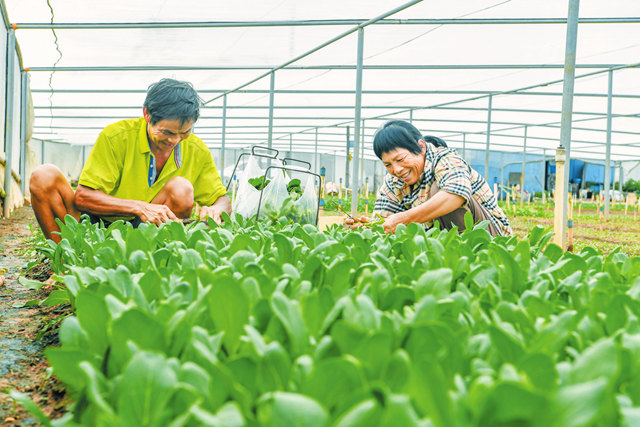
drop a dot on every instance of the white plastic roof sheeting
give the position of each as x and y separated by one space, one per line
458 61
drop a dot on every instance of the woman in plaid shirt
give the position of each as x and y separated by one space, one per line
427 182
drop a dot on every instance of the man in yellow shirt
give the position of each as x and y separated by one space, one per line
147 169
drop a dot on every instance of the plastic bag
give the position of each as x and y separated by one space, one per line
307 204
284 198
274 196
246 200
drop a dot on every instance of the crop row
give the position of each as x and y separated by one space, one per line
244 324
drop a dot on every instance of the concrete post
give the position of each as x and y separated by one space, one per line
9 122
560 192
24 101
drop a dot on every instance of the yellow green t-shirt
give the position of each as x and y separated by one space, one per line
118 165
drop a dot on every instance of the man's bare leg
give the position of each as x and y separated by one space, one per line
51 198
177 194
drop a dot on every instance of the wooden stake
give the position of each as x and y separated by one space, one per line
626 204
579 207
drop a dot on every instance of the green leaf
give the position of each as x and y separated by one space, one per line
71 334
288 312
333 380
509 348
96 391
397 298
274 368
553 252
430 392
280 409
145 390
363 414
580 404
398 371
284 246
598 361
139 327
30 284
434 282
229 309
94 318
27 403
66 366
399 412
59 296
513 404
540 370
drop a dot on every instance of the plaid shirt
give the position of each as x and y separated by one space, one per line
453 175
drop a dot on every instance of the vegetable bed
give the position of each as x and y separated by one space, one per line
245 324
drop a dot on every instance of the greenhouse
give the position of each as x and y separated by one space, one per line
276 268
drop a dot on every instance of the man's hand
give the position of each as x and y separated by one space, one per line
223 204
156 214
392 221
215 212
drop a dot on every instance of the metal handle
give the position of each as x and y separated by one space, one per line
273 151
284 162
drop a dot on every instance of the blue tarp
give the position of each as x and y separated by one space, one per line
575 171
595 174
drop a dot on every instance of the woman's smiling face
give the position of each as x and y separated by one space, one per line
405 165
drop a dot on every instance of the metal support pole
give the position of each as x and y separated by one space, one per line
464 146
24 95
620 176
346 158
487 150
607 159
362 152
84 154
567 113
290 145
42 142
9 122
272 87
316 155
411 116
355 185
224 137
524 161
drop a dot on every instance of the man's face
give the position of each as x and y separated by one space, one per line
166 134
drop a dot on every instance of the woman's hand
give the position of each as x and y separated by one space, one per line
356 222
392 221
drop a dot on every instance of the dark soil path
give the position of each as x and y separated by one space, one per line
22 364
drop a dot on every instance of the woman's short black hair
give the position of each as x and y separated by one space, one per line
170 99
400 134
396 134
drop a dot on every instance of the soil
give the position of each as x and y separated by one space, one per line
26 330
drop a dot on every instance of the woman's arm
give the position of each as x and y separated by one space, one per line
440 204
